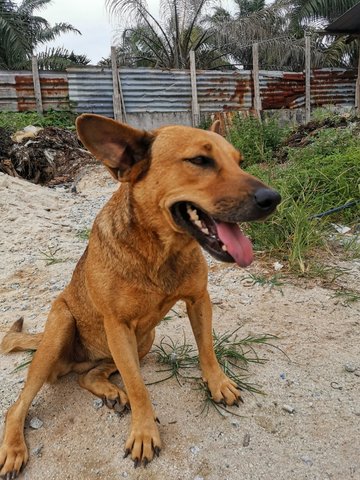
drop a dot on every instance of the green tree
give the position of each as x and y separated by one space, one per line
221 37
279 29
166 43
21 31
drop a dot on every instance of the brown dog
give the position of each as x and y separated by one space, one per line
181 188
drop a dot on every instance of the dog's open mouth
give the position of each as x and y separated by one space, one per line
224 241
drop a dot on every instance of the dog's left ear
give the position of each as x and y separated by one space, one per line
124 150
216 127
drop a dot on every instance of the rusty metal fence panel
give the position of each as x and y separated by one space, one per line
333 86
148 90
17 91
224 91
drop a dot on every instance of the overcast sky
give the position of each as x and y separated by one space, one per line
91 18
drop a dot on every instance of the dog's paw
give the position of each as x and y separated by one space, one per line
115 398
143 443
13 457
223 390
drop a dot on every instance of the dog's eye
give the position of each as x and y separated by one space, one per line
202 161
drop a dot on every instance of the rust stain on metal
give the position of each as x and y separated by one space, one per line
282 91
54 91
242 87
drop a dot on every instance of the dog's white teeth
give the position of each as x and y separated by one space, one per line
224 248
192 213
198 223
205 230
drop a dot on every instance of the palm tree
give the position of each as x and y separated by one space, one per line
59 59
220 37
21 31
167 43
279 29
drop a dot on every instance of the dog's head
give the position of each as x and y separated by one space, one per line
193 176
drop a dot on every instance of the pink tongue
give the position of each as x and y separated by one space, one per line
239 246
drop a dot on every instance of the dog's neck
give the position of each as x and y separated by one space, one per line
157 245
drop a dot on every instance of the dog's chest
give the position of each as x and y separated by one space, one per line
175 273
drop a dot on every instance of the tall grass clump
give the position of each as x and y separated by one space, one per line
257 141
318 177
13 121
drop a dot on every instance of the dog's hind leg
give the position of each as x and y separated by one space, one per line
97 382
49 359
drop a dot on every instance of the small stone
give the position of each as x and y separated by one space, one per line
357 373
125 474
307 460
98 403
288 408
235 423
198 478
349 368
246 440
38 450
194 450
36 423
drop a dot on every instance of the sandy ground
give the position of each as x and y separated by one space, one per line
79 439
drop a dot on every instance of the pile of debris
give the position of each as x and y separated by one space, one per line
304 134
45 156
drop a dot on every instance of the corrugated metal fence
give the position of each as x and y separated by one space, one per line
17 91
166 91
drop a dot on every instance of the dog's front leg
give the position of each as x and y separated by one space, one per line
222 388
144 439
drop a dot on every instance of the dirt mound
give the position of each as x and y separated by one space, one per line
52 156
304 134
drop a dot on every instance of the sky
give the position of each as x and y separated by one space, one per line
91 18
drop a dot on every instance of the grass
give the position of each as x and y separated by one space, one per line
180 360
49 255
348 296
26 362
352 247
84 234
176 357
322 175
263 281
14 121
257 141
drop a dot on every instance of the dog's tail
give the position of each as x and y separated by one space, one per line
16 341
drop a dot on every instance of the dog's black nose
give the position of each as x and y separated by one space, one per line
267 199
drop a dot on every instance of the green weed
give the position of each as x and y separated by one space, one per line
84 234
49 255
328 273
257 141
176 357
263 281
352 247
348 296
14 121
316 178
234 355
26 362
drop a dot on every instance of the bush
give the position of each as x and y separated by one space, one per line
316 178
257 141
13 121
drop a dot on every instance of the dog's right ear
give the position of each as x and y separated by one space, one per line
118 146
